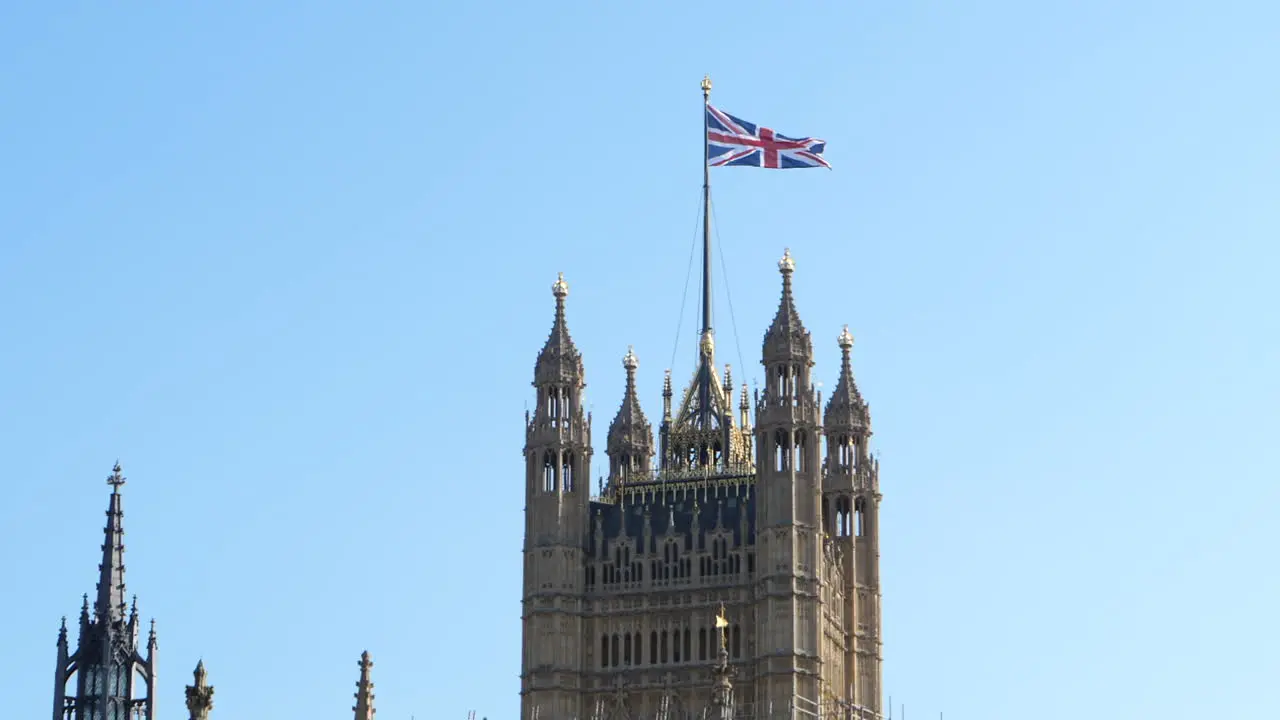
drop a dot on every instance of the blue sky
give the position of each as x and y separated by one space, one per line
291 264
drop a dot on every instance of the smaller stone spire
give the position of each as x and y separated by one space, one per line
846 409
787 337
364 689
559 361
200 695
666 395
630 442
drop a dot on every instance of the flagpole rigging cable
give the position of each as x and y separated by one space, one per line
684 296
733 318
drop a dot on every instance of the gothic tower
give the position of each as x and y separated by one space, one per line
109 671
851 502
717 581
557 492
789 537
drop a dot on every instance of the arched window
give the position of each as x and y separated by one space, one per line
653 648
843 519
781 451
604 651
566 472
548 472
736 641
800 454
613 654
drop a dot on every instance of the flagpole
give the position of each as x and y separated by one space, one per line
704 390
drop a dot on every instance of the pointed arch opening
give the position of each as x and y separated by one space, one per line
548 472
566 472
781 451
801 456
844 527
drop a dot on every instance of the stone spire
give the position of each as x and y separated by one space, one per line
364 690
200 695
559 361
786 338
107 646
630 444
846 409
111 605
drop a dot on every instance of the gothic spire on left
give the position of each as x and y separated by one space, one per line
108 668
111 604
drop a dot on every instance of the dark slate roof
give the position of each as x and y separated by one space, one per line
730 502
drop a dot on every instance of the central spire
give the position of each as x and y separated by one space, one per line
111 604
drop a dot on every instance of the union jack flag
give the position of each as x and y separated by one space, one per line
731 141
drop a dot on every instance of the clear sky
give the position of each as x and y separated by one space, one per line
291 264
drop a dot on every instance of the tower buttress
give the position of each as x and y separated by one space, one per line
788 433
557 496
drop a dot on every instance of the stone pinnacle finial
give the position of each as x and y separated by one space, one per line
364 689
845 339
787 264
200 695
116 479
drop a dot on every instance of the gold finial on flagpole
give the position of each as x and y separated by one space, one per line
706 86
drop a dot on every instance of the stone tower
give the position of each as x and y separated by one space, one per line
788 539
112 679
850 509
557 454
740 553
